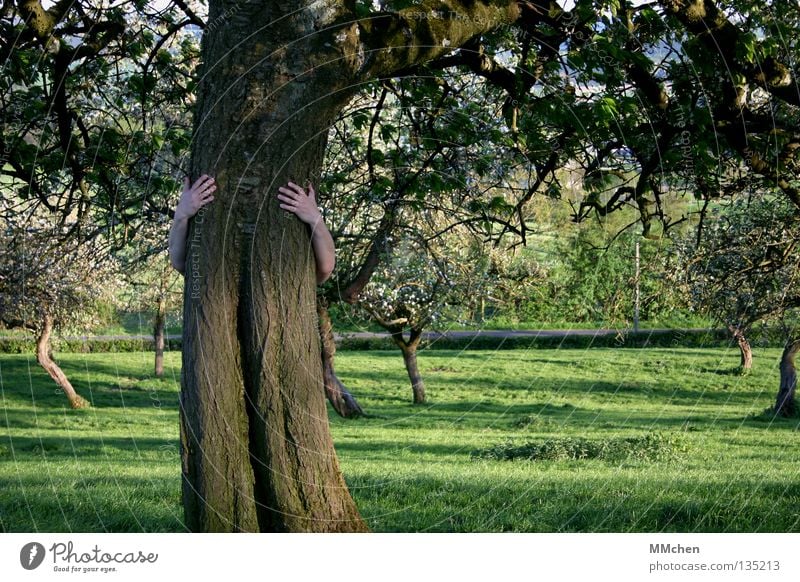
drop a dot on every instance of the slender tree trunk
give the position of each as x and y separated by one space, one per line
340 398
158 334
417 385
745 351
44 357
786 405
257 453
338 395
409 349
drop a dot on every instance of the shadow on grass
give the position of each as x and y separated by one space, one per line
668 392
390 450
39 389
571 503
92 504
84 449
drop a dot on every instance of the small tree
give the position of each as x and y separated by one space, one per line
421 282
47 283
154 286
745 269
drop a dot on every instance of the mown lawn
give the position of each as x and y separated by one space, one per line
727 466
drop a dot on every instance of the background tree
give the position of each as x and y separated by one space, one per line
746 268
397 150
94 101
594 279
786 401
153 287
48 284
415 286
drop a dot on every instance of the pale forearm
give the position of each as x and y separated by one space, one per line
324 251
177 242
192 199
294 199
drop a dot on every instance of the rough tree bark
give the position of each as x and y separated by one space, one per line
785 404
745 351
409 349
337 393
45 359
256 449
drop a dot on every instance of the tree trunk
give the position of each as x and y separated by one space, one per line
786 405
417 385
257 453
44 357
158 334
255 443
745 352
340 398
409 349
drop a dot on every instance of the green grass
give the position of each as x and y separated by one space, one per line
729 468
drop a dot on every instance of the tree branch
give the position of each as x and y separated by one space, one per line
387 42
708 23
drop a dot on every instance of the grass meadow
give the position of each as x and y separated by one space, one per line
459 463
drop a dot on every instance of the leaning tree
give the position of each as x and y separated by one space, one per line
50 282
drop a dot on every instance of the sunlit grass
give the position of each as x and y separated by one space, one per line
116 466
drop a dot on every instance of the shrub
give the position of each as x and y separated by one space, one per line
648 447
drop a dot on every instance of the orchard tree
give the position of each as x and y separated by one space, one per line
419 283
745 271
153 286
786 402
746 268
48 284
94 102
405 148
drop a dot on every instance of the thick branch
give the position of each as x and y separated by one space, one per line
708 23
394 41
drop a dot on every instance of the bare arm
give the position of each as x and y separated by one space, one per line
192 199
294 199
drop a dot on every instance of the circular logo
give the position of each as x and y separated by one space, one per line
31 555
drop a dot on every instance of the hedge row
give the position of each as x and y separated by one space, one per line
642 339
21 346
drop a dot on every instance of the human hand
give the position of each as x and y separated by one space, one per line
194 198
294 199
